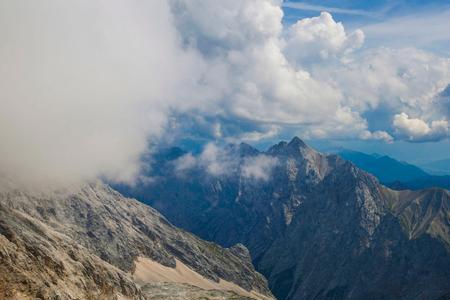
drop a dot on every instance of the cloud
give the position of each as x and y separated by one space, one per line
259 167
417 130
390 81
320 38
254 80
424 30
218 161
256 136
407 76
215 27
242 46
378 135
444 100
185 162
84 85
311 77
213 159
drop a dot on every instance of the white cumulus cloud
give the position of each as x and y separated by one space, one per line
378 135
320 38
417 130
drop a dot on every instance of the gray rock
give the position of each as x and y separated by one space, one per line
171 291
82 244
319 228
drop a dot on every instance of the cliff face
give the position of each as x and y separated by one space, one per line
355 239
83 243
317 226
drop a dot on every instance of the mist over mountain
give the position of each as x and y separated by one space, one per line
316 225
172 102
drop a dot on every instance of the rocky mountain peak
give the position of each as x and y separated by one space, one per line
245 149
319 227
295 148
297 143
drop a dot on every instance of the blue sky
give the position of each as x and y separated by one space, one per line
395 24
390 23
360 11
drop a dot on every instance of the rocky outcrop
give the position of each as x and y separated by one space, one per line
318 227
82 243
171 291
38 262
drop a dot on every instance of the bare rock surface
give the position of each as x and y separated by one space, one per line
171 291
316 226
82 243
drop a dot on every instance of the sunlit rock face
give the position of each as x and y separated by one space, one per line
84 243
316 226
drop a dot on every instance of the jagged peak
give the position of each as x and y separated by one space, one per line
295 147
242 149
297 142
247 149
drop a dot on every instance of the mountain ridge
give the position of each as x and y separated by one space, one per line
395 174
84 243
314 205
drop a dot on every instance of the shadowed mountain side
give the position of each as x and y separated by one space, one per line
316 225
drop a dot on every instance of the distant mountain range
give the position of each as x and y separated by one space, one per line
438 167
316 225
396 174
385 168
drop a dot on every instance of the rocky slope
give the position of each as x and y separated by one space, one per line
170 291
316 225
83 243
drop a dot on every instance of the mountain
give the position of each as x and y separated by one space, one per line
93 243
385 168
395 174
438 167
316 225
428 182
